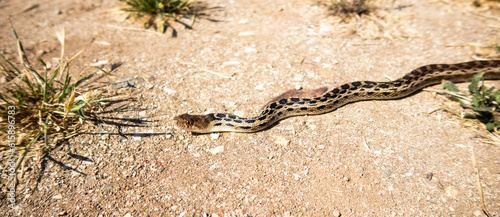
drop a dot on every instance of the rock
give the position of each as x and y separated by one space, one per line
282 141
214 136
126 82
108 187
100 63
169 91
216 150
336 213
249 33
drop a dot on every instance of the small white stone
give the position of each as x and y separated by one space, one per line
259 87
243 21
169 91
137 136
214 135
280 140
216 150
296 176
250 50
99 63
239 113
103 43
336 213
326 65
298 77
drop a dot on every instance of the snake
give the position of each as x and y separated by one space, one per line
339 96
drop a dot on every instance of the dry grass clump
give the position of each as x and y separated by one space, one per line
159 13
348 7
41 108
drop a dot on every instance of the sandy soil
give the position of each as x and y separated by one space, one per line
375 158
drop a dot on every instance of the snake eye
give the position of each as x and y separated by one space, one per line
188 123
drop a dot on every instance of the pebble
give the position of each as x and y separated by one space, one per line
214 135
108 187
336 213
216 150
250 50
137 136
100 63
387 170
103 43
280 140
259 87
169 91
126 82
246 33
452 192
478 213
129 159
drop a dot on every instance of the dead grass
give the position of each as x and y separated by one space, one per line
348 7
41 108
159 14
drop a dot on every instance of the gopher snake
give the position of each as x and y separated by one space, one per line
339 96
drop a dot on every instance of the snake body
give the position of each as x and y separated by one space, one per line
338 97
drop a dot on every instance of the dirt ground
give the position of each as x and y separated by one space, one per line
377 158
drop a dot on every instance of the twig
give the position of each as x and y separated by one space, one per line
218 74
366 144
478 179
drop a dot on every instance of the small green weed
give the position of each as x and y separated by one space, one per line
41 108
484 102
159 12
347 7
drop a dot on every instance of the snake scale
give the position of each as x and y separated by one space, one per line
338 97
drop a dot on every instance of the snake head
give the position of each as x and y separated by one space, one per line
194 123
